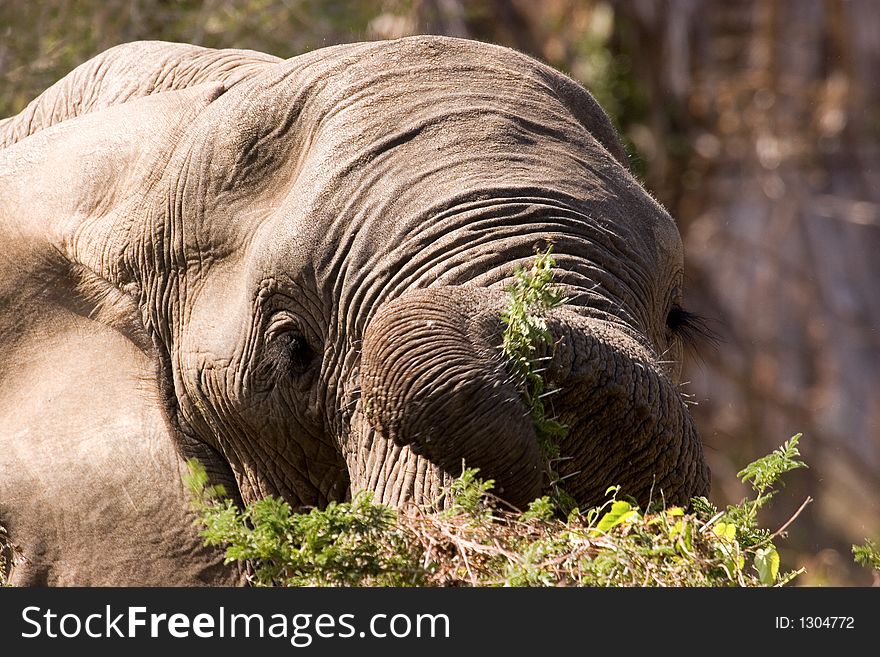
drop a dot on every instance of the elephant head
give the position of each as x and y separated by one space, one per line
313 256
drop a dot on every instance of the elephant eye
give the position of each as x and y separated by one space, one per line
287 352
291 353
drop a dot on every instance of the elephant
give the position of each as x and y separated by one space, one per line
295 271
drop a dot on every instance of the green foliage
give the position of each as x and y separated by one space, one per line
468 496
739 522
541 508
867 555
531 296
763 475
702 548
474 542
346 544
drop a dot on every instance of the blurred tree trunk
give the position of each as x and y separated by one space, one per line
778 197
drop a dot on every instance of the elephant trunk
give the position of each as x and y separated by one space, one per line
627 422
434 385
435 392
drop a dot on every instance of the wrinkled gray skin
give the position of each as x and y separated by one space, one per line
294 270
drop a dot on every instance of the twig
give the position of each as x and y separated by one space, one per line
711 521
792 519
464 558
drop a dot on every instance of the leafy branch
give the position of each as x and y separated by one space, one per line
530 297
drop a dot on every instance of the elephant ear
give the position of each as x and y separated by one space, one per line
90 478
127 72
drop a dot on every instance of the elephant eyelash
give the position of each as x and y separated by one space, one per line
693 329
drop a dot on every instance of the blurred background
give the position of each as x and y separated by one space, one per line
755 122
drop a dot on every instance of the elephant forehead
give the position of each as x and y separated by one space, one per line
371 141
368 85
345 104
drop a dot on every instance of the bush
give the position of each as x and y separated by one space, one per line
477 542
350 544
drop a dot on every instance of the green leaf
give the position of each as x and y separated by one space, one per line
766 471
541 508
531 295
867 555
620 512
725 530
767 565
